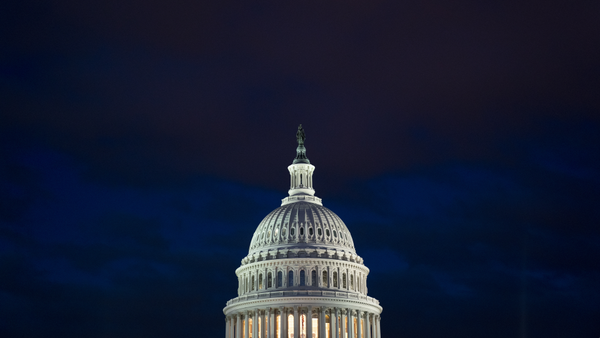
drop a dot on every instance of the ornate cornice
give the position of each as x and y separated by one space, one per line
306 261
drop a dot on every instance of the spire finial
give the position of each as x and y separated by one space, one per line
300 151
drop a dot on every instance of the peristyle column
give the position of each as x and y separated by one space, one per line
350 323
271 323
238 326
322 325
283 321
378 327
227 319
296 322
342 324
335 322
368 325
309 322
247 325
231 327
359 324
255 324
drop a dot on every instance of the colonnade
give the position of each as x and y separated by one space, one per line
331 323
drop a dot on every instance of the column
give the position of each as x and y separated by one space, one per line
232 327
335 323
359 324
271 323
309 322
368 325
342 324
267 322
283 321
350 323
263 330
255 324
378 327
238 326
247 325
227 327
296 322
322 325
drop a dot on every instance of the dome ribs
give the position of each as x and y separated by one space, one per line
277 223
290 226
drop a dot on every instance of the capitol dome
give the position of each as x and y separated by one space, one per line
302 277
302 225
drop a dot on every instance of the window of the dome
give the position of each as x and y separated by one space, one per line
344 280
327 232
319 232
302 278
293 232
269 280
262 236
325 279
252 284
352 282
313 278
276 232
290 278
279 279
310 231
335 279
283 232
260 282
301 231
334 234
269 235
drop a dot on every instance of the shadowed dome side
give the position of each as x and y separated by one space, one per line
301 224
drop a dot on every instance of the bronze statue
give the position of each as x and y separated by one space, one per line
300 135
301 151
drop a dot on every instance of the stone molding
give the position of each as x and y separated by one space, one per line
301 262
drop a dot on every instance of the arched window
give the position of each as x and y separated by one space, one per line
260 282
246 283
279 279
310 231
252 283
352 282
313 278
269 280
301 231
344 280
335 279
325 279
302 278
291 278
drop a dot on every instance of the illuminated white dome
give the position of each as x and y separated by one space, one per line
302 276
301 225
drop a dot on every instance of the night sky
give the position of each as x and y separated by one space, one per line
142 142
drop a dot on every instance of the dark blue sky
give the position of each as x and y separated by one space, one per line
142 142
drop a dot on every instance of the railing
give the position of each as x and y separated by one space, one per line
291 199
330 294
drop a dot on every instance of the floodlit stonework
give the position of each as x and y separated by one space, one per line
302 276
